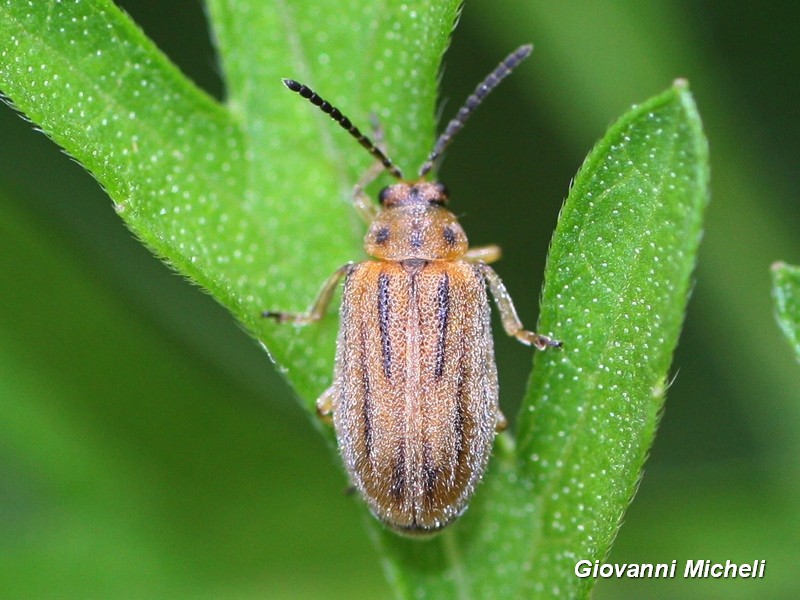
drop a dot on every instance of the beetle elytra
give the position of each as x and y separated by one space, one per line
414 397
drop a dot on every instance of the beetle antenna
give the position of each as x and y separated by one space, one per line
335 114
474 100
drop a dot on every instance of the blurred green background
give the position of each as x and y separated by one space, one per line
149 449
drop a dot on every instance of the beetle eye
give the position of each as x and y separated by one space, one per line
383 195
443 191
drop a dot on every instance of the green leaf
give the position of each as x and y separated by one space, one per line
617 283
250 199
786 292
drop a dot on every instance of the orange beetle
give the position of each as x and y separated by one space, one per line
415 396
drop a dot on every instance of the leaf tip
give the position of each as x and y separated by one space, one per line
778 265
681 84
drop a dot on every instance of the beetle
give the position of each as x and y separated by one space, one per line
414 398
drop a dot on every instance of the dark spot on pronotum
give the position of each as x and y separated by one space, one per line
449 235
442 316
382 235
416 239
383 323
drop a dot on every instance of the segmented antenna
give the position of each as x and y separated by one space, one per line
474 100
335 114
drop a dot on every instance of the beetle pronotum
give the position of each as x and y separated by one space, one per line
414 396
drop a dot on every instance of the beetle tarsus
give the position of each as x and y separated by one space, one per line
501 424
325 405
282 317
538 341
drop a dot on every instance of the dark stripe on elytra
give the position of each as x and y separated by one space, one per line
397 485
442 317
367 404
383 323
459 420
430 472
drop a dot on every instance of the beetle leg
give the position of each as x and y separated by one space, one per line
508 314
325 404
484 254
317 310
364 205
